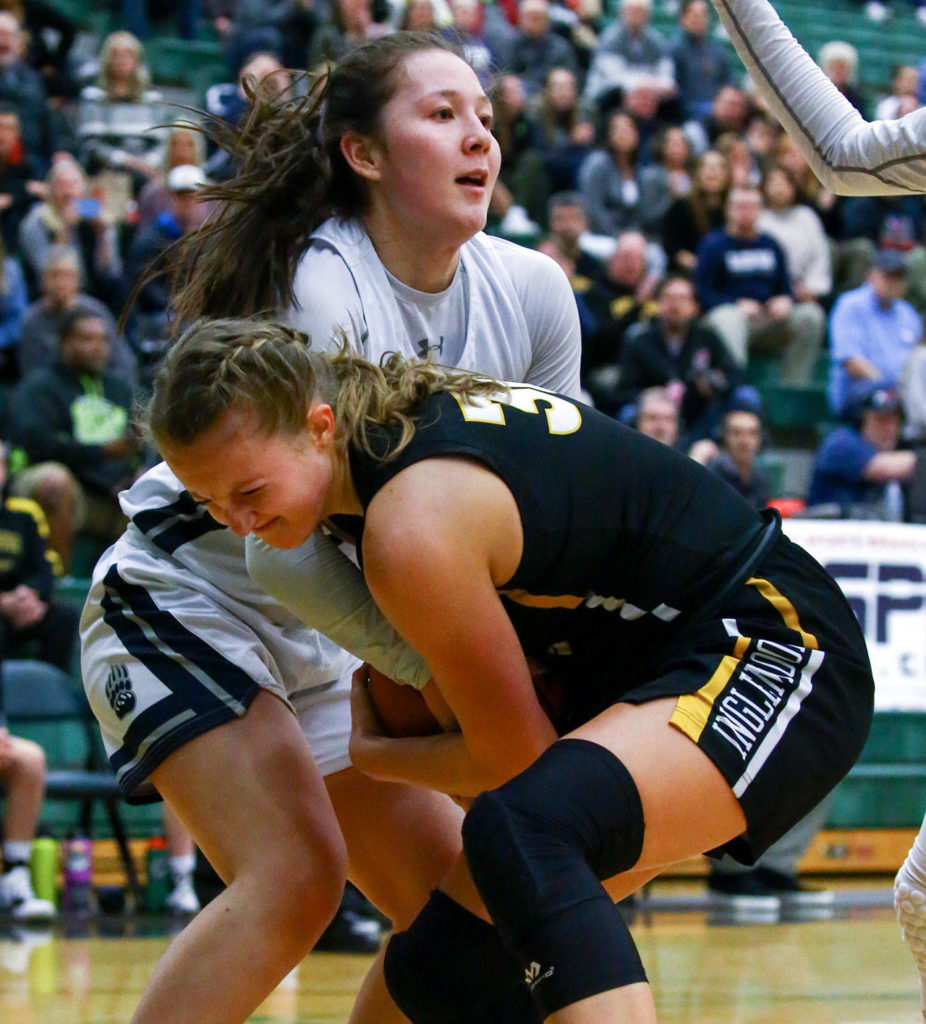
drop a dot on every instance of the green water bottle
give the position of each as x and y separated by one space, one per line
158 886
43 867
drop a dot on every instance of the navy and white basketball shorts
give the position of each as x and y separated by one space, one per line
163 663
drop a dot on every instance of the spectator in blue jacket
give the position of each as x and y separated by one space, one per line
13 301
148 328
859 471
873 331
744 288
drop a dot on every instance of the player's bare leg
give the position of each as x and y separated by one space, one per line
673 784
401 840
256 805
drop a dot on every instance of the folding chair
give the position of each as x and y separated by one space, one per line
34 691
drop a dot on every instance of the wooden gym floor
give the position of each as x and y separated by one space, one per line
852 969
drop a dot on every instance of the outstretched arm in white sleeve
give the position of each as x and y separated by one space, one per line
850 155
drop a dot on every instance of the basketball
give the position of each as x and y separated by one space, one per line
401 710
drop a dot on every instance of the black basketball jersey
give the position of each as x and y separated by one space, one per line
623 536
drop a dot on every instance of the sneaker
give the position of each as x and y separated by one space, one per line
742 894
182 899
19 901
793 893
351 932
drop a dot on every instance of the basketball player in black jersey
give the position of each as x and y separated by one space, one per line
719 683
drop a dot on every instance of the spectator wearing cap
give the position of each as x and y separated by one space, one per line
185 145
149 245
873 330
148 324
859 472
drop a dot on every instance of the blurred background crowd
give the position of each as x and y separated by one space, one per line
714 276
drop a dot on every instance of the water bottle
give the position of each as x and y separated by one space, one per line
893 502
158 887
78 874
43 868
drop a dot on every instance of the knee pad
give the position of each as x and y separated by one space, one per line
538 847
450 967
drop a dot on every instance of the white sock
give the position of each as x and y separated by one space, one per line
16 851
181 866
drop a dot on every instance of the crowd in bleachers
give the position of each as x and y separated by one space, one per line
705 257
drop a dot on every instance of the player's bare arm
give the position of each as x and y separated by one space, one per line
434 554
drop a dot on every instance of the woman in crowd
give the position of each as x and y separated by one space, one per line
664 180
608 178
69 216
799 231
565 128
709 662
689 218
120 119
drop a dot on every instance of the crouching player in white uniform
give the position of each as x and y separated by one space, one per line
206 692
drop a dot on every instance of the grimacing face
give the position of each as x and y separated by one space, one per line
276 486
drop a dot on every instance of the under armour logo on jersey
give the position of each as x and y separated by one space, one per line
119 691
425 348
535 974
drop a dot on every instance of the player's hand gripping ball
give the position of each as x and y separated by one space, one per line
402 711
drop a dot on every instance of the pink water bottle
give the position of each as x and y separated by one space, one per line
77 853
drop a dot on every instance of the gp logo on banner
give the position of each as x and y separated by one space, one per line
881 568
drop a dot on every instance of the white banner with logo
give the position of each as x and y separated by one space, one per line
881 568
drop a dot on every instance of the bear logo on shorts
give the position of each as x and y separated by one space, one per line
119 691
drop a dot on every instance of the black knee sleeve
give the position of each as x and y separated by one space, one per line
538 847
450 967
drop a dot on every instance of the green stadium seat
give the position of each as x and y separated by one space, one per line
887 787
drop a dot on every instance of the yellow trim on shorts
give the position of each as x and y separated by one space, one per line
543 600
784 608
692 710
